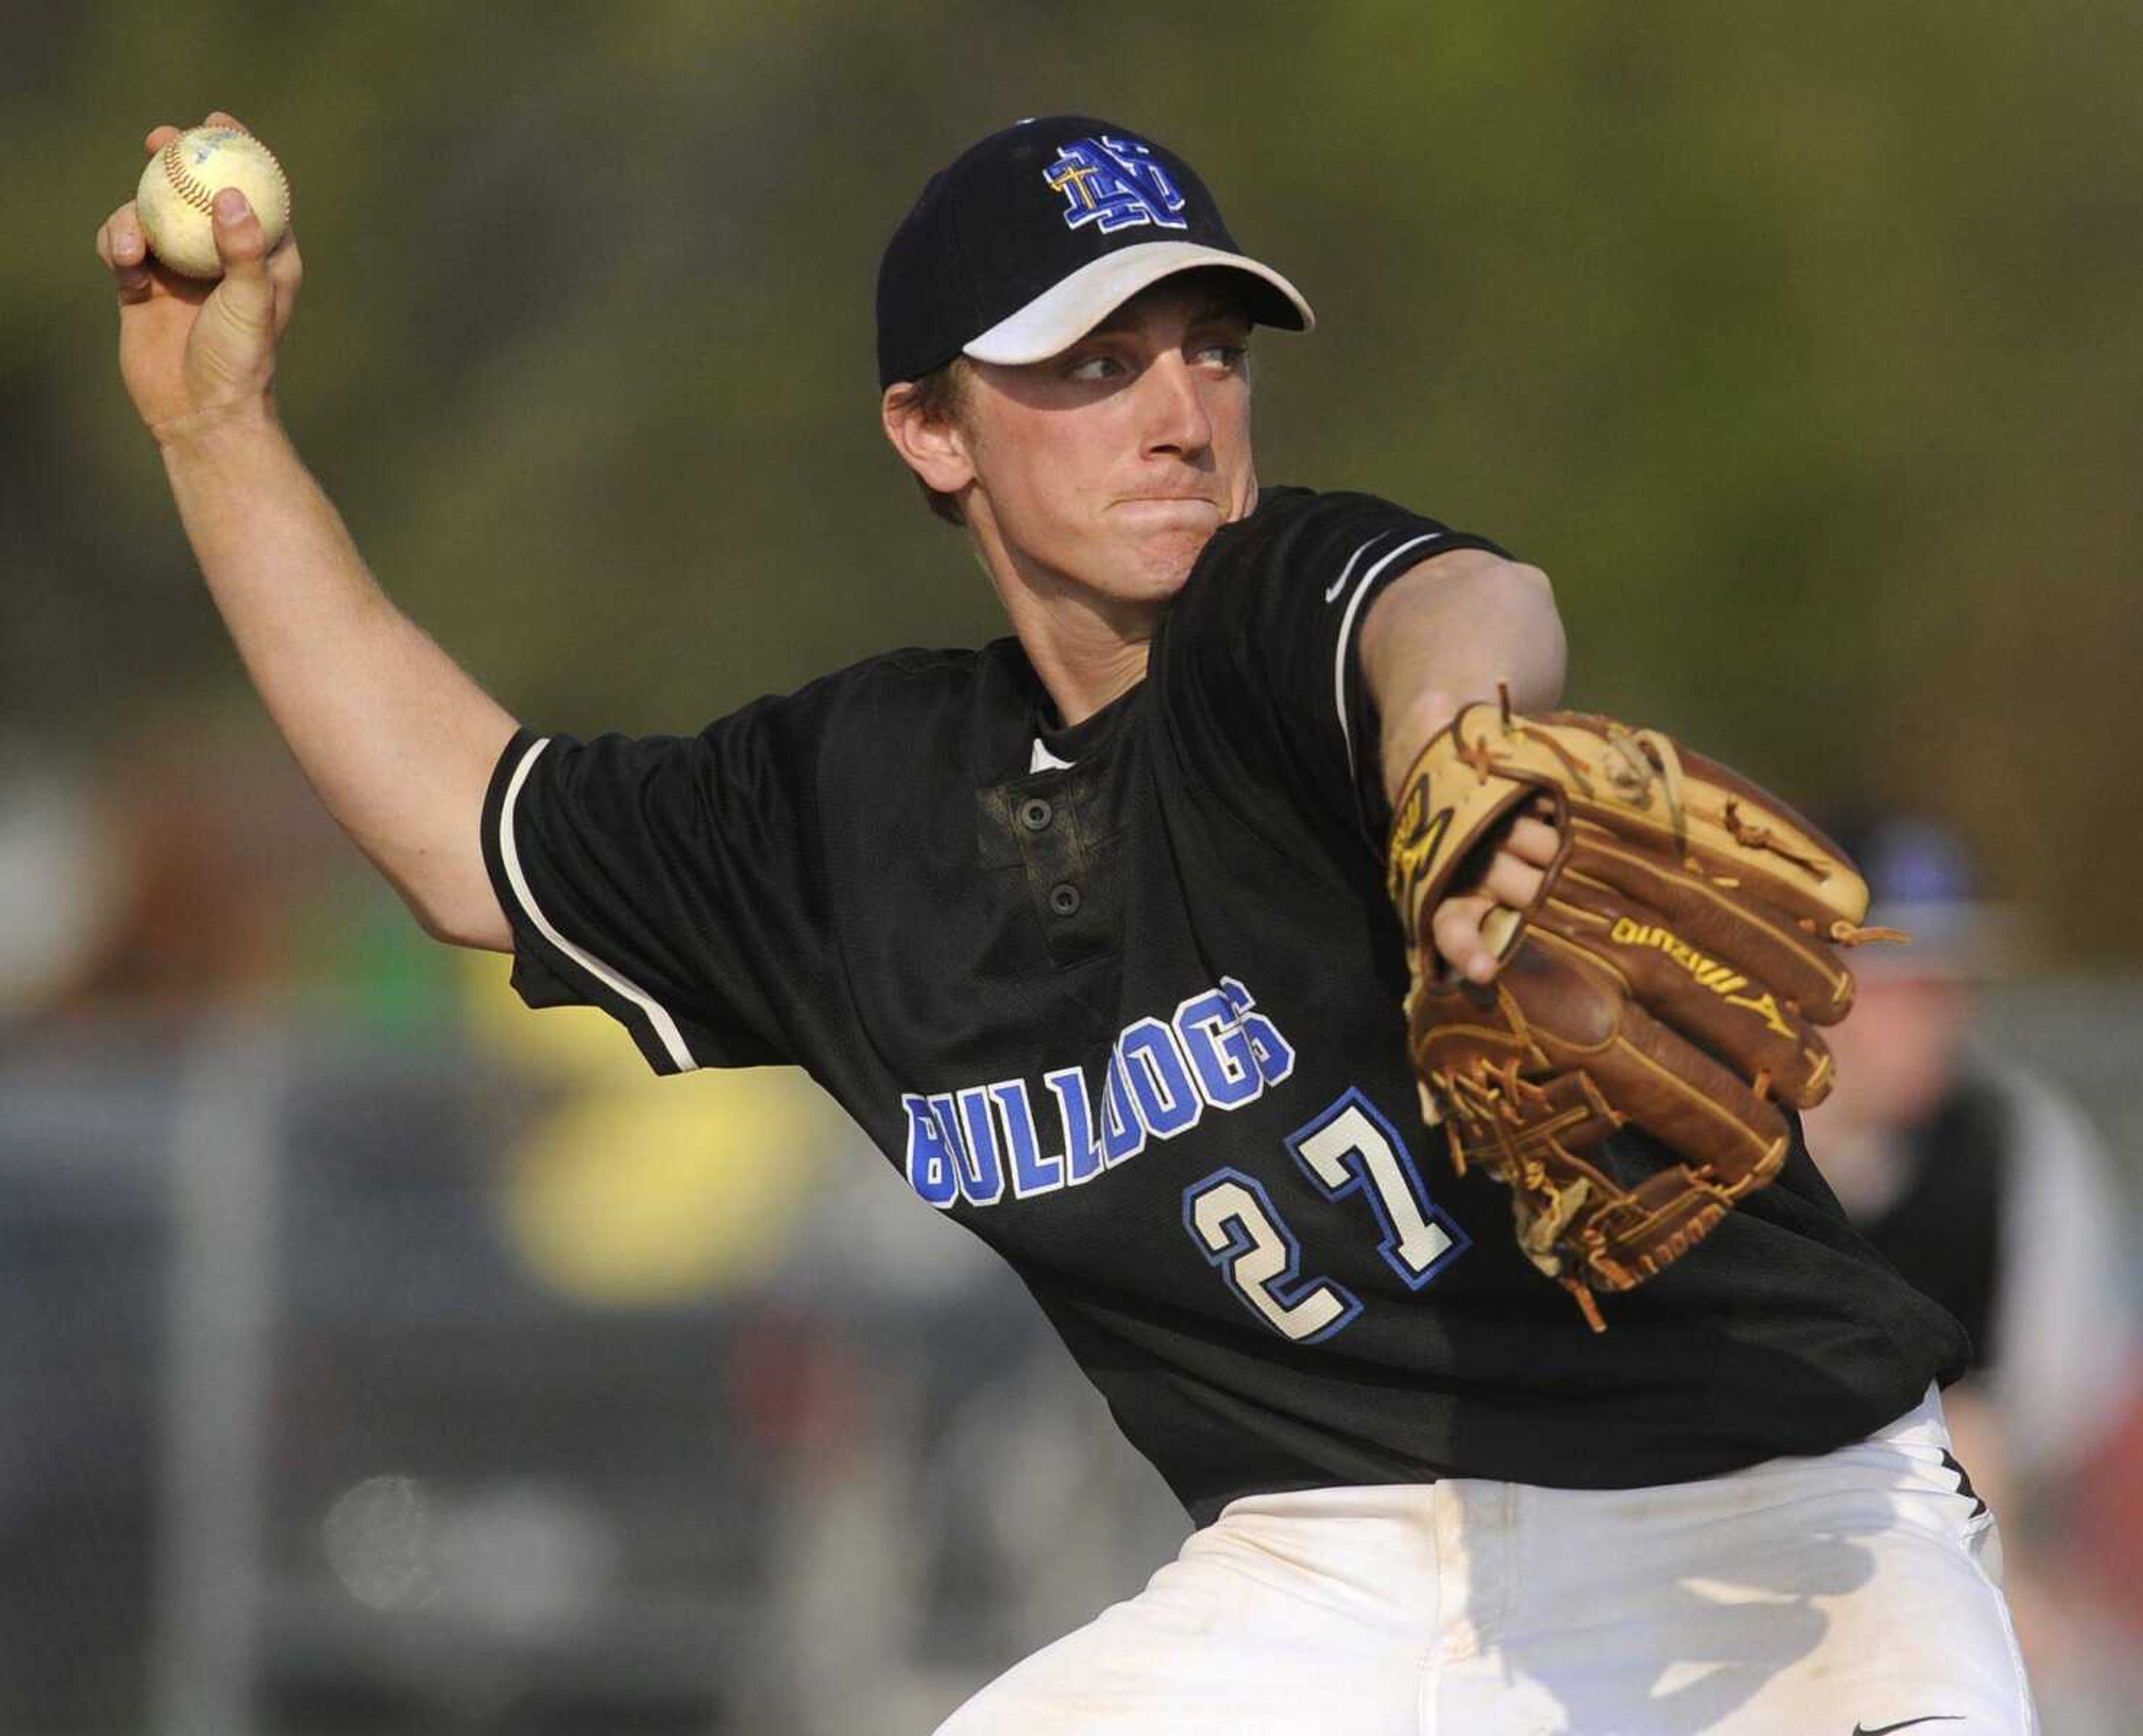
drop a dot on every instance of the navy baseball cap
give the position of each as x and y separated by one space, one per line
1922 878
1036 234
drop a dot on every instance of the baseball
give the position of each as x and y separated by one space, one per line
176 197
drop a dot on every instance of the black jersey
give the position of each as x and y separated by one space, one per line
1124 999
1943 1228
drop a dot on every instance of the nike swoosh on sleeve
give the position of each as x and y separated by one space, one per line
1354 561
1332 590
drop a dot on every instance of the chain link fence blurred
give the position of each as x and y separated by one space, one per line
314 1431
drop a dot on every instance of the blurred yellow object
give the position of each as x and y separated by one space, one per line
574 1043
668 1191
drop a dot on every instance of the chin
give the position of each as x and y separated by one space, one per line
1163 563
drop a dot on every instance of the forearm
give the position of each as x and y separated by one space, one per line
396 739
1449 632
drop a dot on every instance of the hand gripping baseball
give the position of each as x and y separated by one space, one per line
1670 974
193 350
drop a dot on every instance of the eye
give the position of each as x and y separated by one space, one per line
1228 356
1095 368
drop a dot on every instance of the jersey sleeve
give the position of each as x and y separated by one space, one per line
672 881
1260 659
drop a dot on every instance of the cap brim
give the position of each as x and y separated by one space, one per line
1967 940
1061 315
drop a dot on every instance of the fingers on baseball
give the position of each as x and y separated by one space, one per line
125 253
238 231
241 243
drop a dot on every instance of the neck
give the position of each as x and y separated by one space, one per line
1085 663
1087 649
1863 1161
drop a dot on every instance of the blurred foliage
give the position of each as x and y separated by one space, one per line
1798 344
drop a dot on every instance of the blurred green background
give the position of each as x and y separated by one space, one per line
1801 345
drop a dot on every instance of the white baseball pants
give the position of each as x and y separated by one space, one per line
1855 1592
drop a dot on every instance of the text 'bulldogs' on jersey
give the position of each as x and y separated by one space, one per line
1217 1052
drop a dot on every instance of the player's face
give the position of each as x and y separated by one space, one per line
1102 470
1899 1051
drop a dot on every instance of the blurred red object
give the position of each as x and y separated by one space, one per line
2102 1529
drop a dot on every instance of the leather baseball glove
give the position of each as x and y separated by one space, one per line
1670 975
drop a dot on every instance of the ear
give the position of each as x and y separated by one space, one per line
937 452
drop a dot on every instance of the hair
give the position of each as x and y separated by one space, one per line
941 395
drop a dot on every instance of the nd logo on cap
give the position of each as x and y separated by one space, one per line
1114 183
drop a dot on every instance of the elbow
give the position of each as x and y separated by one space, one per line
478 924
480 931
457 914
1520 598
1453 631
1551 665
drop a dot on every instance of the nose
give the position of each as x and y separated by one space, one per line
1175 421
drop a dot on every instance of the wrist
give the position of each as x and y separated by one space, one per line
1407 730
202 432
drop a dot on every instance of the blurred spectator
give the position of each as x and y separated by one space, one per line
217 844
189 873
1985 1185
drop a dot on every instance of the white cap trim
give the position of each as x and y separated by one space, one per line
1060 316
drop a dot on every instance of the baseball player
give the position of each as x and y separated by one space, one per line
1090 930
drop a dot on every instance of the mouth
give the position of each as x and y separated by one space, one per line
1171 505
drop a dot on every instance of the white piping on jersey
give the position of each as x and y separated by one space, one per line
1042 760
1347 625
658 1016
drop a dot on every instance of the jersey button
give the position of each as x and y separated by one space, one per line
1064 898
1036 814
